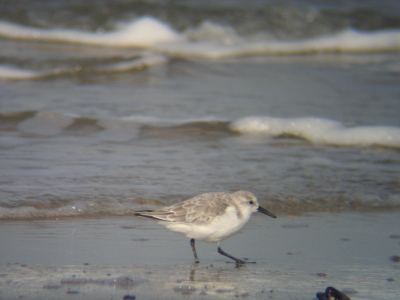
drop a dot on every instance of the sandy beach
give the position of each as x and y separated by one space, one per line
113 258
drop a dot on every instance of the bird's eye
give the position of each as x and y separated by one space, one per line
251 202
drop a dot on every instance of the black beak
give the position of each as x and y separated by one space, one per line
266 212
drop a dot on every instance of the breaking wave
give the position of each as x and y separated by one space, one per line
319 131
208 40
143 32
315 130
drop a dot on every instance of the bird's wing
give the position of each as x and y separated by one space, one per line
198 210
203 208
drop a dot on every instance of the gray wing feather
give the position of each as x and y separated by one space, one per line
197 210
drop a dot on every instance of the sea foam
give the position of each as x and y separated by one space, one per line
346 41
319 131
143 32
13 73
209 40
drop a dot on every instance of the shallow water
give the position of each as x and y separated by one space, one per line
100 130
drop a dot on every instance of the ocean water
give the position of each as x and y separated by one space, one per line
111 106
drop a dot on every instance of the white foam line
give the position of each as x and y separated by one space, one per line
11 73
319 131
347 41
143 32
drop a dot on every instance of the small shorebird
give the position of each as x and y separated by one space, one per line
210 217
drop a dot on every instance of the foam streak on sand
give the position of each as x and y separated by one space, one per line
319 131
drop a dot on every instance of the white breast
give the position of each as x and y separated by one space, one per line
218 229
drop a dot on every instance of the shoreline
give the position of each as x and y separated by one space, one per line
114 257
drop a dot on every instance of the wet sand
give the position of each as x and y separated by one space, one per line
112 258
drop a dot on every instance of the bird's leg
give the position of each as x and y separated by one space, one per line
237 260
196 259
